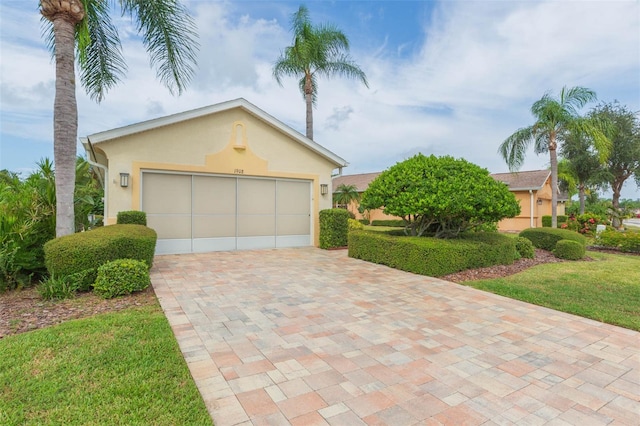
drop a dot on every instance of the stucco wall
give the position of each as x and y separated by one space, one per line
207 144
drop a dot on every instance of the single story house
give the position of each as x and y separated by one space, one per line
223 177
532 189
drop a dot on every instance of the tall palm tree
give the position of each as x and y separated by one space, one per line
345 194
84 27
316 51
555 117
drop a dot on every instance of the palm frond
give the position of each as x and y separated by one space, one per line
515 146
169 35
99 51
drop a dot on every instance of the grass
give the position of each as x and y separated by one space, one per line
607 289
117 368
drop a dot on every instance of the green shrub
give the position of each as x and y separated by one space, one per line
354 225
525 248
53 288
334 228
132 217
84 280
431 256
568 249
121 277
546 238
546 220
364 221
390 222
84 251
627 241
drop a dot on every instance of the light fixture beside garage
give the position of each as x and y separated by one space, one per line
324 189
124 180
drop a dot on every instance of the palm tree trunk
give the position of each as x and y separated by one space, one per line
554 184
308 97
581 197
64 15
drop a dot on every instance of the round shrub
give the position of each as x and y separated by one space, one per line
355 225
570 250
120 277
525 248
546 238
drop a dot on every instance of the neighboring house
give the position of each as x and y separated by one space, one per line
532 190
223 177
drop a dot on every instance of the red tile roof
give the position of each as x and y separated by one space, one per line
533 179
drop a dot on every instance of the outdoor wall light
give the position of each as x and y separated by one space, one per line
124 180
539 202
324 189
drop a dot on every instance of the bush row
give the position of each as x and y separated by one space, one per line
392 222
431 256
82 253
546 220
546 238
628 241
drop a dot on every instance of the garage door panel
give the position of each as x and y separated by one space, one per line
200 213
254 225
214 226
293 224
293 197
256 196
166 194
170 226
214 195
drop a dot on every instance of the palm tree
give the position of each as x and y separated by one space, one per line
345 194
316 51
555 117
85 27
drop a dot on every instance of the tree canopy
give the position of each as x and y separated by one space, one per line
442 194
554 118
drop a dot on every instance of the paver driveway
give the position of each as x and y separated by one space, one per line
307 336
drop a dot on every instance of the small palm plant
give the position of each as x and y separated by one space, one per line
345 194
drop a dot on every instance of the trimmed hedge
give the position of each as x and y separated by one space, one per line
364 221
568 249
546 238
433 256
525 248
334 228
396 223
628 241
546 220
355 225
132 217
120 277
84 252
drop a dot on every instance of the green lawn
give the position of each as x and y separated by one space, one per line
606 289
380 228
122 368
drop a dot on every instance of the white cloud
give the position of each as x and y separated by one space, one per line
470 83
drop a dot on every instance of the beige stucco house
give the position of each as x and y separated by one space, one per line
532 189
223 177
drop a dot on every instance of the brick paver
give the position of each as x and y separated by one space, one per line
307 336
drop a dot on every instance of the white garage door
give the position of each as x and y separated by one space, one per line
199 213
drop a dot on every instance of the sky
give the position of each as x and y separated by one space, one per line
445 77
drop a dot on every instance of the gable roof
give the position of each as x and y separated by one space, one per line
247 106
519 181
361 181
523 181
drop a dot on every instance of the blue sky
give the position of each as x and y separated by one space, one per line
446 78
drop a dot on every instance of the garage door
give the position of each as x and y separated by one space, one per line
199 213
